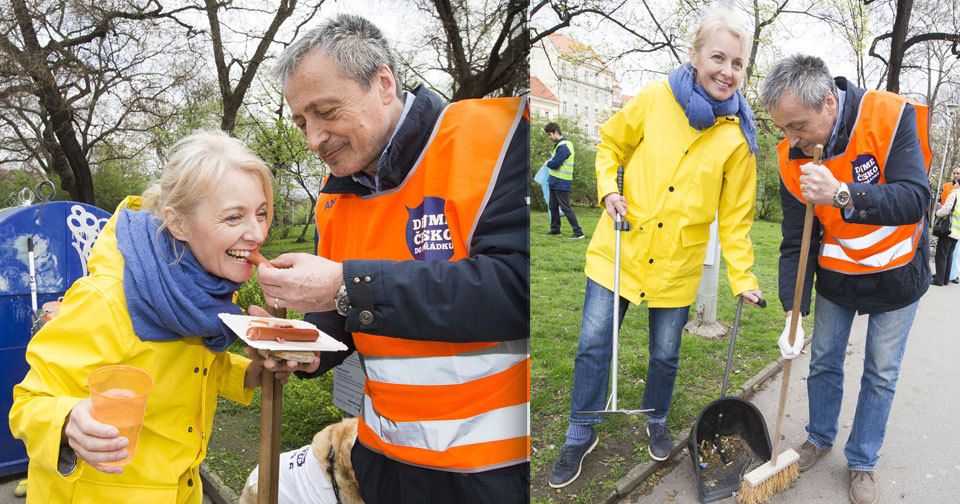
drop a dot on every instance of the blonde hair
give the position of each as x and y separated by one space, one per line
199 161
716 19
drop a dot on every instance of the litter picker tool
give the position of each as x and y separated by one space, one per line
619 225
33 275
776 475
728 437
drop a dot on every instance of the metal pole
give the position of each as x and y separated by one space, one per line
710 281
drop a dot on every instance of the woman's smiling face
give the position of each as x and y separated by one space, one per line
719 64
230 223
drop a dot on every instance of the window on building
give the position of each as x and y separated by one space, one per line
576 109
566 108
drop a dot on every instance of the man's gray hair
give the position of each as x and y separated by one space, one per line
356 45
807 77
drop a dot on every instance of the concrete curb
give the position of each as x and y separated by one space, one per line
641 472
215 488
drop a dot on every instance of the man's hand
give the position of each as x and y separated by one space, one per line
818 185
94 442
791 351
304 282
615 203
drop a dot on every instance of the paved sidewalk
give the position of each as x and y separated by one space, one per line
920 458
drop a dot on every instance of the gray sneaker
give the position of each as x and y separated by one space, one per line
863 488
567 467
660 441
809 455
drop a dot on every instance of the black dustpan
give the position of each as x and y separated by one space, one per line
728 439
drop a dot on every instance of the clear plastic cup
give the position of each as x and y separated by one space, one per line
118 396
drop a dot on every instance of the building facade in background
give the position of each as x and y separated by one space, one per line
568 78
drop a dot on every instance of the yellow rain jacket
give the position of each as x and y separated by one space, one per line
93 329
676 180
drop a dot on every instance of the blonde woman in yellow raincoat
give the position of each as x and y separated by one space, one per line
160 272
688 147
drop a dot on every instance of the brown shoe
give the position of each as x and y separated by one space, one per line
809 455
863 488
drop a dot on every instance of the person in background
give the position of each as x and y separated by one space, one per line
946 255
688 147
560 168
869 249
542 177
161 270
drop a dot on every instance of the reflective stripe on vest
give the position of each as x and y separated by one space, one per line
450 406
858 249
565 172
448 369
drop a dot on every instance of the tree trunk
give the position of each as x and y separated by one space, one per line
79 183
306 225
898 44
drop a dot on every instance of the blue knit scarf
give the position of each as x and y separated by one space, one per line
169 299
702 110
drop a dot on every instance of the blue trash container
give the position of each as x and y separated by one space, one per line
63 233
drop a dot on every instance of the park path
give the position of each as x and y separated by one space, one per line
920 458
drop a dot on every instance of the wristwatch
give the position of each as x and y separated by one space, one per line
342 301
842 197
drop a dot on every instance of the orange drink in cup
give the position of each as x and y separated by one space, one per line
118 396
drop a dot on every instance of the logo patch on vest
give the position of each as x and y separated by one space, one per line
428 236
866 170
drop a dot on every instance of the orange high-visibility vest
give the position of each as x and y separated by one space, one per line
858 249
947 189
450 406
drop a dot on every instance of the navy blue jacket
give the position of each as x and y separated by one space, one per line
485 297
555 163
901 200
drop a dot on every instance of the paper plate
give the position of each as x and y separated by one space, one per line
240 323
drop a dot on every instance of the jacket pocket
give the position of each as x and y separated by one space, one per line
98 492
694 234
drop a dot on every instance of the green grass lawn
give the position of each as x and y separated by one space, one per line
557 285
307 404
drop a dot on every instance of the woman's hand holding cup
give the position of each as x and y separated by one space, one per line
95 442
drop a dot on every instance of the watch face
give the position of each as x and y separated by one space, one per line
842 197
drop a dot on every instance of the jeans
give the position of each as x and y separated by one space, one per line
886 340
591 370
560 205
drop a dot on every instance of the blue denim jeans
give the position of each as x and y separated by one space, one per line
886 340
591 370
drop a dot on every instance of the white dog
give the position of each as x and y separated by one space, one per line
318 473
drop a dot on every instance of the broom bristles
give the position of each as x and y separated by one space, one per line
769 487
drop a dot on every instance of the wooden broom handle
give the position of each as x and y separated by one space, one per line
795 313
271 405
